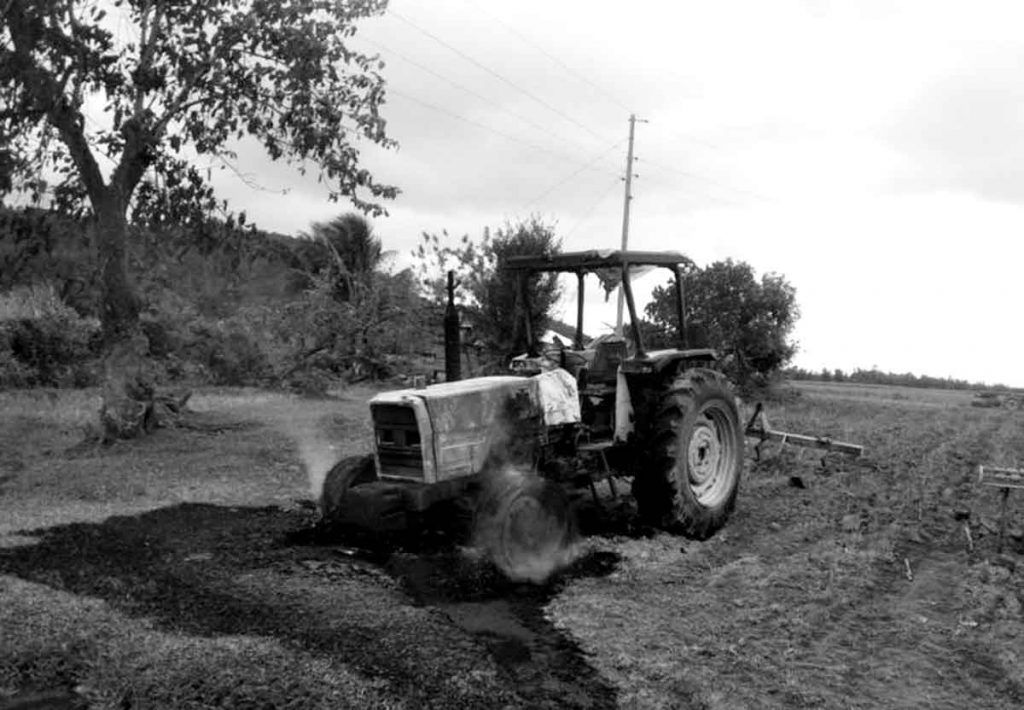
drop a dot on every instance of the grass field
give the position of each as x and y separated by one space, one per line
166 573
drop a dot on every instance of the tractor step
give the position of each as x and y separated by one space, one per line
604 472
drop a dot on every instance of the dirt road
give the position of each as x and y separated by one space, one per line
176 572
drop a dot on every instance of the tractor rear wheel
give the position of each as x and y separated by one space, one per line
695 457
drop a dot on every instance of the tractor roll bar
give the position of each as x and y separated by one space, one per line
583 262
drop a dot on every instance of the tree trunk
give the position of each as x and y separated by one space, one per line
127 410
120 314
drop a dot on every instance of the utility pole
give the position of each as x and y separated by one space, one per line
625 212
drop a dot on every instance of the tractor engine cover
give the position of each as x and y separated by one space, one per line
449 431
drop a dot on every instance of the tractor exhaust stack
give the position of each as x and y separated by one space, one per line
452 345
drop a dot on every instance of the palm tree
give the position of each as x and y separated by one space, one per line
353 251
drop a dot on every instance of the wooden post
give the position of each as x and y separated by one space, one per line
1002 519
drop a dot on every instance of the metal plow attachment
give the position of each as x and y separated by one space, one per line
759 428
1004 479
1001 477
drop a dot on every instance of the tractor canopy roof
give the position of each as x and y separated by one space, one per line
594 260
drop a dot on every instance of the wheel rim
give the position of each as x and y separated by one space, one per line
711 455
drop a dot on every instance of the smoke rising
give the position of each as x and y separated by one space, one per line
315 450
526 525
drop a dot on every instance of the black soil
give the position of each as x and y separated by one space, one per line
177 566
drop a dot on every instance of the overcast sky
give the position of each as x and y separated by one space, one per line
872 153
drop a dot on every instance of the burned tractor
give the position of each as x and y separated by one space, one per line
514 446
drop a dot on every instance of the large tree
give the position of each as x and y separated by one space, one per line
97 94
750 320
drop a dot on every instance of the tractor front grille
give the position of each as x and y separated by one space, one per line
399 447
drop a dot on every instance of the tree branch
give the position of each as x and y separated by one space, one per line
178 105
48 96
141 132
148 31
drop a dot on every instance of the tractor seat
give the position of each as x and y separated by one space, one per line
607 356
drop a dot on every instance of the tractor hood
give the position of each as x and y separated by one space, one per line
445 431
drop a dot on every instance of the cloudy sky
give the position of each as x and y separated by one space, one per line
871 152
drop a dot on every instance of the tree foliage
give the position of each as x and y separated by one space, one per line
222 306
40 247
488 295
380 322
148 86
748 320
874 376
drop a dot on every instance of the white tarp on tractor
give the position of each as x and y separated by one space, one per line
559 398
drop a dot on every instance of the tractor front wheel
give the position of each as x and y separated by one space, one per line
695 457
348 472
525 525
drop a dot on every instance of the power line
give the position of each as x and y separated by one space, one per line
553 58
547 105
506 136
664 182
496 75
457 85
573 174
589 211
579 76
699 141
472 92
710 181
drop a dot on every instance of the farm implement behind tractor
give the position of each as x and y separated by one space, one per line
515 447
759 429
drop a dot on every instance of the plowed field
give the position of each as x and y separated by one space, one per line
179 571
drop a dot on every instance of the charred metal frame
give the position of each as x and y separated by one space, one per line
684 341
582 263
577 342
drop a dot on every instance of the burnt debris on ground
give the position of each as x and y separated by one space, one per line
545 666
212 570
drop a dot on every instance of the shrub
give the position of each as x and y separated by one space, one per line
13 372
162 336
44 342
309 382
228 353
